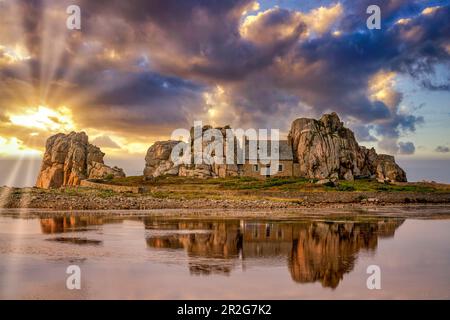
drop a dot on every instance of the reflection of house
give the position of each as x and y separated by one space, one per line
220 242
315 251
266 240
256 163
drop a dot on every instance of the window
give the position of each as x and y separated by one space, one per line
280 168
255 168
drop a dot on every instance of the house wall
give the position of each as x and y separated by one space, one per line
296 169
288 169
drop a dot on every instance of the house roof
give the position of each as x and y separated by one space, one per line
284 150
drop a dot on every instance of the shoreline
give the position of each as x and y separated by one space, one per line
74 199
418 211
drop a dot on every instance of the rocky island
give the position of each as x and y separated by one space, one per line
322 165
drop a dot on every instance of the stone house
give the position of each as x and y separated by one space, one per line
256 167
315 149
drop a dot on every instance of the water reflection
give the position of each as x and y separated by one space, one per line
326 251
314 251
67 224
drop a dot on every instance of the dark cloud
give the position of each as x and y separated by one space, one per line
442 149
363 134
391 10
435 87
143 102
406 148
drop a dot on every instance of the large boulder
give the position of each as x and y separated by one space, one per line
387 170
157 160
70 158
325 148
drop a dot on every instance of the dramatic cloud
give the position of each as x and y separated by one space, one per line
140 68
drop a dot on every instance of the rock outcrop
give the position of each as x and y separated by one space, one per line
158 160
68 159
325 149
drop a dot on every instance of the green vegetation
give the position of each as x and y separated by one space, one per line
288 189
109 177
276 183
282 189
369 185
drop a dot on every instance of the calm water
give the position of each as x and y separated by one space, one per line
147 257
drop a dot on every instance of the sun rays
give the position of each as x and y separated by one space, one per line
43 68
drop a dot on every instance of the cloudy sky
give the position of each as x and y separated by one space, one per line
138 69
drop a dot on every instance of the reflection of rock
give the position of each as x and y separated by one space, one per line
326 251
69 224
316 251
214 240
76 240
68 159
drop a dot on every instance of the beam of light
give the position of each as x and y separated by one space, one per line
6 192
14 147
54 44
26 195
12 177
11 279
17 29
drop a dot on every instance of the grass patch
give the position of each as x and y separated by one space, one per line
106 193
346 188
259 184
174 186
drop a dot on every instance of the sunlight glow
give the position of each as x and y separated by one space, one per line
45 118
403 21
13 146
382 88
430 10
14 54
